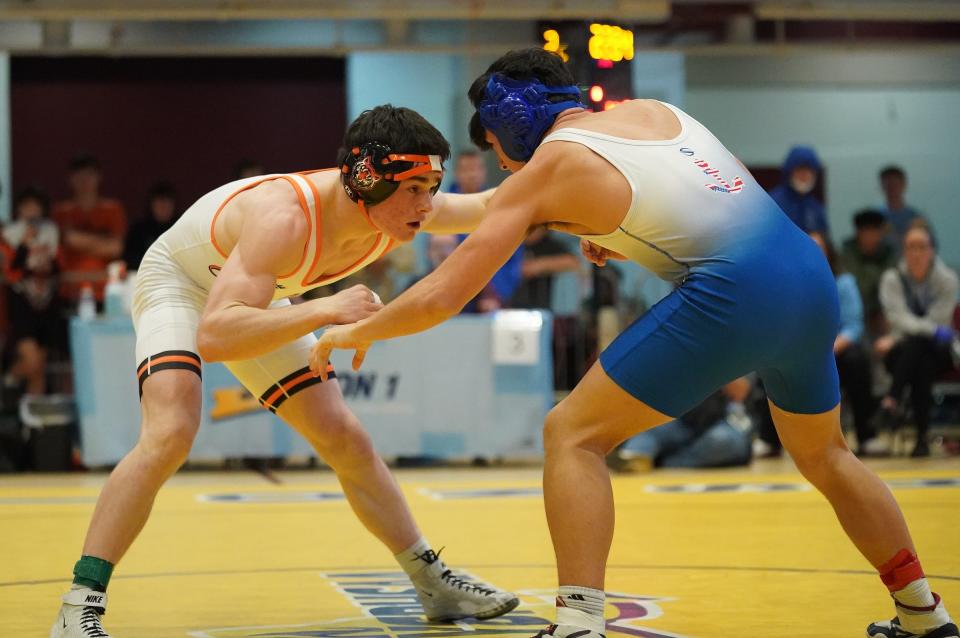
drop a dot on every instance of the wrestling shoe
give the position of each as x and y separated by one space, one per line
445 596
892 629
567 631
79 615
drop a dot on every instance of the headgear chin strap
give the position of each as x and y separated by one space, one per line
372 172
519 112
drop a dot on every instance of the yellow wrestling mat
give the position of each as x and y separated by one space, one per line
715 554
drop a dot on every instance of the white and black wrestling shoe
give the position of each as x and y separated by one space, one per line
568 631
892 629
930 615
79 615
447 597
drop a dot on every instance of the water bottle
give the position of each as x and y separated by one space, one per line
113 305
87 308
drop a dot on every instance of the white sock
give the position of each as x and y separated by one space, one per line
916 594
417 557
923 616
581 607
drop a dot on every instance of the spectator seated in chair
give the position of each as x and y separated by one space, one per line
918 298
31 270
716 433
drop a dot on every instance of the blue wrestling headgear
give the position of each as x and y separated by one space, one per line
519 112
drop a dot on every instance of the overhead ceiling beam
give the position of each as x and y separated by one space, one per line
707 50
906 11
761 50
134 10
56 35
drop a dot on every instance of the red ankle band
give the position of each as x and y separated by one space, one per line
920 610
901 558
901 570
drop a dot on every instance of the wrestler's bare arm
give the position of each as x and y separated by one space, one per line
236 323
575 196
455 213
514 208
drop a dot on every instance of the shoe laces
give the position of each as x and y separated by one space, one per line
90 623
429 556
451 579
456 582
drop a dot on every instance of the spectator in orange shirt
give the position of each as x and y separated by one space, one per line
92 228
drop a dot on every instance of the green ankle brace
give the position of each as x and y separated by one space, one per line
92 572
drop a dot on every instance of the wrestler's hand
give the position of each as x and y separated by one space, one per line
598 254
336 337
350 305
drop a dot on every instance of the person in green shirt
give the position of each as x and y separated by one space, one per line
866 256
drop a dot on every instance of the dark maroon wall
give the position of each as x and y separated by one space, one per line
185 120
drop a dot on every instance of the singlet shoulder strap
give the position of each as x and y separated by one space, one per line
309 201
573 134
568 135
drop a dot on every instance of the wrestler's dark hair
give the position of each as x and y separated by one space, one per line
402 129
534 63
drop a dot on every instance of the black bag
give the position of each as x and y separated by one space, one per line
50 421
11 429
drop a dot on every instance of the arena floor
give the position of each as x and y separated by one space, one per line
706 554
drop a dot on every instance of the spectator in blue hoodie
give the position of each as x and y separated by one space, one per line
470 173
794 194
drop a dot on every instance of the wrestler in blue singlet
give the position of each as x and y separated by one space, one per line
754 293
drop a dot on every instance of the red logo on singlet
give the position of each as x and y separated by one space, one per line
722 186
